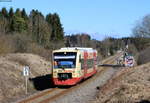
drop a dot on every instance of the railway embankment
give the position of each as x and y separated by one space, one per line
11 77
130 85
86 91
12 82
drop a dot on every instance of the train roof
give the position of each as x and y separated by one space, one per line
77 48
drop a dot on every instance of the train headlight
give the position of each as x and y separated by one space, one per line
73 74
55 73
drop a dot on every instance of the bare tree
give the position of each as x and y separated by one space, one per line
142 29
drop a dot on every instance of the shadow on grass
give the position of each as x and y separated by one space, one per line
144 101
42 82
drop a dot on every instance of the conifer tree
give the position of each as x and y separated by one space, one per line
18 23
57 30
3 24
11 12
3 21
4 12
40 29
18 12
24 14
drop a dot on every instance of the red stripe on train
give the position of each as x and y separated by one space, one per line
72 81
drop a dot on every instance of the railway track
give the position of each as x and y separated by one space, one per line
52 94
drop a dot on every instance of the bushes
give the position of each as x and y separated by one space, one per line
144 56
21 43
14 43
6 45
39 50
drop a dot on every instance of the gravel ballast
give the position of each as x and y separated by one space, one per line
87 92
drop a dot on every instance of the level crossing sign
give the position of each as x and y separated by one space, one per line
129 61
26 70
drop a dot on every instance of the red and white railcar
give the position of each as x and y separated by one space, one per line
71 65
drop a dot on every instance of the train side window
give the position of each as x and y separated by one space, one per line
82 63
90 63
80 59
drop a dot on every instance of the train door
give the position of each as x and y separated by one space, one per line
85 63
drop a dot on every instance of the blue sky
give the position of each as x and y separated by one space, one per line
99 18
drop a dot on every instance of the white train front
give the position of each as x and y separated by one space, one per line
71 65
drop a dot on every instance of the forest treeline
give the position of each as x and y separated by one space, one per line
41 29
39 34
35 32
109 45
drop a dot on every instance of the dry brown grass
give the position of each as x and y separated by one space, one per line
128 86
144 56
5 45
11 78
20 43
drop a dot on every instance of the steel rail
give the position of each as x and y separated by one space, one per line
63 92
111 60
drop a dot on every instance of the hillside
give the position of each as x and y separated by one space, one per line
11 78
128 86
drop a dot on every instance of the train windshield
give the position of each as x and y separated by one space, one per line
65 60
